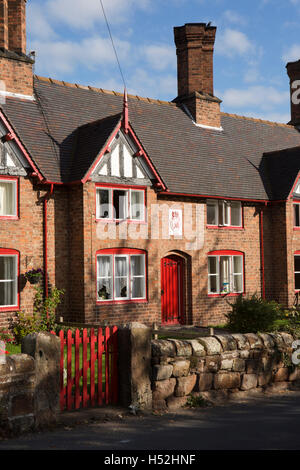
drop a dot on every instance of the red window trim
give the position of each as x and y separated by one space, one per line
226 227
125 187
9 251
229 253
124 251
16 180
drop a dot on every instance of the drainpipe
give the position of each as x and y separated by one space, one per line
262 252
46 199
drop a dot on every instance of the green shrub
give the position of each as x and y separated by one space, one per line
253 314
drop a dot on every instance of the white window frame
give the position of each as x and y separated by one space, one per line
15 196
224 207
15 257
296 208
113 257
232 274
296 272
128 204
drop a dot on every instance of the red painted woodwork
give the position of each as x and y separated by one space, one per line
172 289
81 356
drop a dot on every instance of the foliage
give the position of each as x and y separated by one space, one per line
196 401
34 275
6 336
253 314
43 317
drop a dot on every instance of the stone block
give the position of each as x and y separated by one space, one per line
185 385
264 378
226 364
249 381
238 365
226 380
204 382
241 340
213 363
253 366
183 348
20 363
197 348
162 372
254 340
287 338
295 374
174 403
181 368
161 347
159 405
267 340
227 341
281 375
199 366
163 389
22 404
211 344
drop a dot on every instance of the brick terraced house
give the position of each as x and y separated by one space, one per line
142 210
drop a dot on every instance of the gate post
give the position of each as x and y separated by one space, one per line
134 365
44 347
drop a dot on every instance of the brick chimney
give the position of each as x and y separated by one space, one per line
15 66
293 70
195 47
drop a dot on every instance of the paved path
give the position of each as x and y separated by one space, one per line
261 423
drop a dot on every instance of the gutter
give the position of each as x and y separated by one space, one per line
262 252
45 204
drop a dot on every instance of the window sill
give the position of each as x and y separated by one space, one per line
127 301
296 229
9 217
224 227
232 294
9 309
118 221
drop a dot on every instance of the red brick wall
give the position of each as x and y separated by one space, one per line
17 25
17 76
200 308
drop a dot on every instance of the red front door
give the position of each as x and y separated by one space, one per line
172 289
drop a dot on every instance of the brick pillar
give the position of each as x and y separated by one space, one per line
45 349
134 351
17 26
3 24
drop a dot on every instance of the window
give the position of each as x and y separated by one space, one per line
120 204
296 215
224 213
225 272
121 275
8 197
297 270
8 279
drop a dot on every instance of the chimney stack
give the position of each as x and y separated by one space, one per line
195 48
16 72
293 70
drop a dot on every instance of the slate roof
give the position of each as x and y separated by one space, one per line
188 158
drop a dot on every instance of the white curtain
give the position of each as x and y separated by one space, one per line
105 277
121 277
7 198
138 276
137 205
2 205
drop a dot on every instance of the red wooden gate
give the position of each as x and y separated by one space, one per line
88 368
172 289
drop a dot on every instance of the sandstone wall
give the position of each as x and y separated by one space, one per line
219 366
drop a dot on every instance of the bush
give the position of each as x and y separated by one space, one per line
253 314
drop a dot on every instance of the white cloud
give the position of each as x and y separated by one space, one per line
37 23
159 57
259 97
233 43
234 17
144 84
292 54
65 56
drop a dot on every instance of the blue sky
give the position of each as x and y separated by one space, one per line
255 40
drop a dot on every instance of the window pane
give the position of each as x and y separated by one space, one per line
238 283
121 287
138 288
237 265
297 281
105 288
221 213
212 216
236 214
7 198
226 213
104 266
225 273
137 265
212 265
8 293
137 205
103 203
120 204
8 268
297 263
121 266
296 215
212 284
121 273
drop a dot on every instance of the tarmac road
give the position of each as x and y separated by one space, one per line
268 423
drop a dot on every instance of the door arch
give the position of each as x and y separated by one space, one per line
172 289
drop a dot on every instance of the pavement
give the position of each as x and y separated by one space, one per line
268 422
